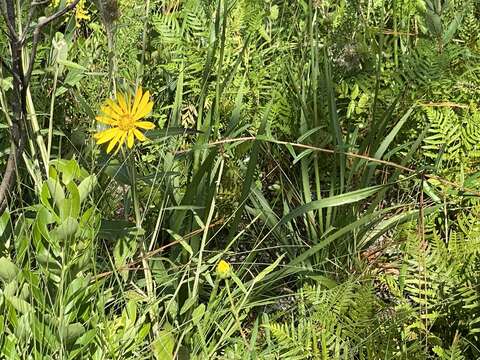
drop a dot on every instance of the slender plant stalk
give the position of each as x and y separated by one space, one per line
50 119
144 43
138 221
235 311
205 234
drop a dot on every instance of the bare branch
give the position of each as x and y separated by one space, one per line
10 23
18 103
31 10
36 37
38 3
9 174
9 69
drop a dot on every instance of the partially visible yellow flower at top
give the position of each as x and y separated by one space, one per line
223 269
81 14
124 115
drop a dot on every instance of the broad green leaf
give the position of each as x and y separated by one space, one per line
86 186
87 337
71 332
8 270
163 346
5 226
69 169
19 304
56 191
197 314
65 230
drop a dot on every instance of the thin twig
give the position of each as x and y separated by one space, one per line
11 26
445 104
10 171
36 36
33 4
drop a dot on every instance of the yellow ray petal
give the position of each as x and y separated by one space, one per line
147 125
139 135
130 139
145 103
136 101
122 102
143 111
106 120
114 106
104 136
108 111
114 141
121 141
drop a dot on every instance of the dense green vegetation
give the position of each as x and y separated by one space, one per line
309 191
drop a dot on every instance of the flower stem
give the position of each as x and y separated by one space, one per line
136 206
235 312
138 222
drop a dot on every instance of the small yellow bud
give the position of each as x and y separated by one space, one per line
223 269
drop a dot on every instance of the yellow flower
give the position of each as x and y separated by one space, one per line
124 117
223 269
81 14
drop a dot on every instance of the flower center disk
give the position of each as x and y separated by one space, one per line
126 122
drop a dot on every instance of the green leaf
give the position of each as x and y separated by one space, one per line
332 201
66 229
5 227
19 304
23 329
182 241
198 313
434 24
393 133
452 28
72 65
86 187
71 205
163 346
56 190
274 11
6 83
267 270
69 169
86 337
187 305
71 332
8 270
116 171
239 282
